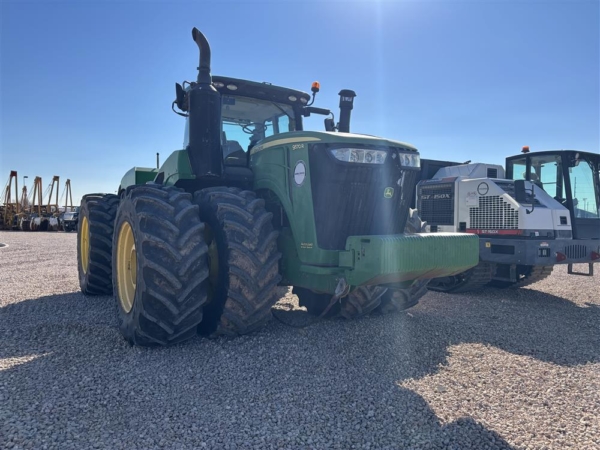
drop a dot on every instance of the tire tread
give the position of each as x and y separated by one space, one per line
252 260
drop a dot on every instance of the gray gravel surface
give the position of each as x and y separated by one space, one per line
502 369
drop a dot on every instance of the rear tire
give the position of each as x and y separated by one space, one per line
470 280
245 276
396 300
160 266
361 301
94 243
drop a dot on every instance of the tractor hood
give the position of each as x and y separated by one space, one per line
315 137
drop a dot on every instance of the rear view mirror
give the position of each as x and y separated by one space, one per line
308 110
180 97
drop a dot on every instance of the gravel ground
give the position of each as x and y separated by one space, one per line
502 369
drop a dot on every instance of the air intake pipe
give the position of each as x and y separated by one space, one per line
346 104
204 147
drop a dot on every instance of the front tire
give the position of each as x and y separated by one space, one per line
94 243
160 266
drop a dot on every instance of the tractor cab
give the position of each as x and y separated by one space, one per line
252 111
571 177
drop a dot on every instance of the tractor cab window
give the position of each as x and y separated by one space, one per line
519 169
246 121
276 125
544 172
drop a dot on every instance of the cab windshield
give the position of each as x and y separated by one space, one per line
248 120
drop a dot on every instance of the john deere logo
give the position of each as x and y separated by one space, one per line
388 192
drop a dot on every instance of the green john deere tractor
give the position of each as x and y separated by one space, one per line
253 202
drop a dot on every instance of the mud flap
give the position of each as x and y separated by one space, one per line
589 274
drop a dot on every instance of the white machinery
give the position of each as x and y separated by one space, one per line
543 211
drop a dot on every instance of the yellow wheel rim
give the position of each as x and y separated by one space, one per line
84 244
126 267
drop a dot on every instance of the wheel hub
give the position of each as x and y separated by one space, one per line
126 267
84 244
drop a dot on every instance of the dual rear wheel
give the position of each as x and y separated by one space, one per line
180 265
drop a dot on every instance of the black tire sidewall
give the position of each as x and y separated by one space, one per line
128 320
83 277
248 261
214 309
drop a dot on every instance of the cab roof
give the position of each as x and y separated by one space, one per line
263 91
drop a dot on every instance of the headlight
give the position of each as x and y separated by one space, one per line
410 159
359 155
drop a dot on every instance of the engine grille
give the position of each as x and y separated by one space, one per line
576 251
494 214
348 199
436 203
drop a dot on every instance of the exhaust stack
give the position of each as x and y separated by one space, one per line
204 147
346 105
204 48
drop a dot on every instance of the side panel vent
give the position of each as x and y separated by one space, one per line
494 214
492 172
576 251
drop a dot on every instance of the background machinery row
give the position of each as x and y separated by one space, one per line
36 208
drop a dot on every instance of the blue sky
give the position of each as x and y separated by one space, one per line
86 87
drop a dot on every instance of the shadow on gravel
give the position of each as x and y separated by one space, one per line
334 383
520 321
